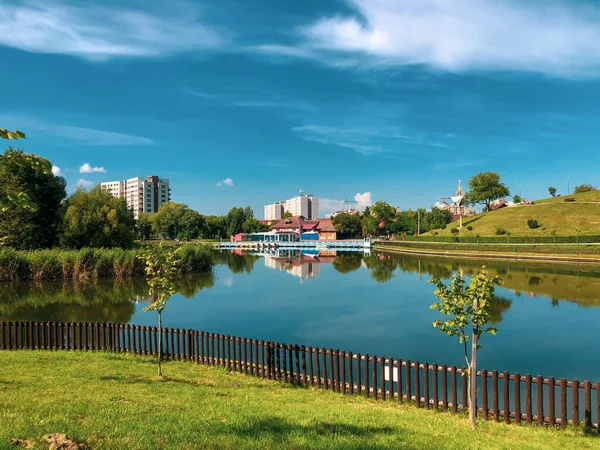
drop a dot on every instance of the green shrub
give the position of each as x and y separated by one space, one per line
500 231
454 231
88 263
470 227
532 223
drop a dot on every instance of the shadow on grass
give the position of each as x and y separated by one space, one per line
284 432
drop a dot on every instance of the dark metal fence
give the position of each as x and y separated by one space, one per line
501 396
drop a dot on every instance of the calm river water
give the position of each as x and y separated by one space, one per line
547 315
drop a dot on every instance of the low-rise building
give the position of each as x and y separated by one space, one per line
301 225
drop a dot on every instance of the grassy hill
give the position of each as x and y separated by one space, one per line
552 214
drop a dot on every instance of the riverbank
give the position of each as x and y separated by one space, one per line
112 401
91 263
542 253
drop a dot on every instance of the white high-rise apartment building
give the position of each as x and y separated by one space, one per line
274 211
306 205
143 195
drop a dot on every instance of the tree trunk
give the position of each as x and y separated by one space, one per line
160 375
473 374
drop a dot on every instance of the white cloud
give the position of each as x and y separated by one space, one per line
363 199
552 37
86 168
226 182
56 171
84 184
101 33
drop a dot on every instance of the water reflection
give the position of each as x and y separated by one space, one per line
92 301
106 300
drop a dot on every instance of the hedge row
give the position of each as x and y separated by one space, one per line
544 249
585 239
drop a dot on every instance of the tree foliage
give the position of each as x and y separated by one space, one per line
166 222
97 219
469 310
30 199
435 219
584 188
517 199
252 225
552 191
485 187
348 226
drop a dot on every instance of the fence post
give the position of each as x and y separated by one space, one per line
563 403
575 401
540 400
506 403
588 404
426 385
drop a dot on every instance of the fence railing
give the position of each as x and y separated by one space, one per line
512 398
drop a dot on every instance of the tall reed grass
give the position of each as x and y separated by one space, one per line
89 263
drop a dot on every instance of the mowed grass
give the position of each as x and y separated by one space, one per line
116 401
553 214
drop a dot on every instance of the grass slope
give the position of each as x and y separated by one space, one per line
551 213
115 401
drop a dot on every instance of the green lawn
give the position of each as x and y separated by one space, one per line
552 213
115 401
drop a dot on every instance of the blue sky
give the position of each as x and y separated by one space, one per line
243 102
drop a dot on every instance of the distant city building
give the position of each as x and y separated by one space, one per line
143 195
306 205
274 211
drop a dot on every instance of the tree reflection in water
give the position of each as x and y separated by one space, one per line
92 301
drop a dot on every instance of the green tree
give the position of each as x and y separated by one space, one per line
436 219
97 219
584 188
348 226
517 199
235 219
144 225
467 307
216 227
167 220
191 225
370 226
31 197
286 215
162 273
252 225
485 187
552 191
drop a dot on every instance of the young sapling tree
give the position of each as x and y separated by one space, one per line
469 310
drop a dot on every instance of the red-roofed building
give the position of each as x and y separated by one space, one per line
299 224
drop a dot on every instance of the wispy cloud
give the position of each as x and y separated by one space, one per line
350 138
368 140
56 171
101 33
84 184
252 99
226 182
87 168
552 37
79 135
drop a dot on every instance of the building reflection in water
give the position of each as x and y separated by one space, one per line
302 263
